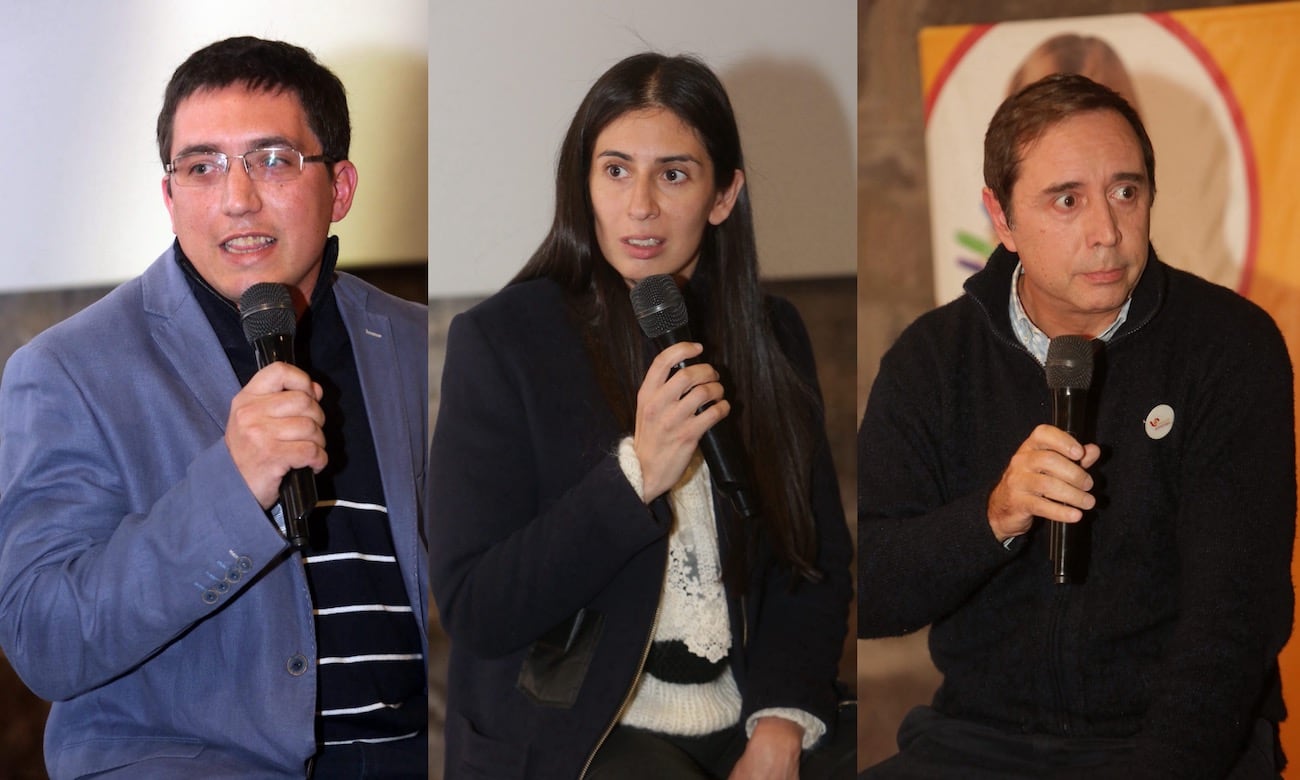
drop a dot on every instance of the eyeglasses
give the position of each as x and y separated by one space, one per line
275 164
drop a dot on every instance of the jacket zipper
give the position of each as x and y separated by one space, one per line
744 624
636 679
1057 666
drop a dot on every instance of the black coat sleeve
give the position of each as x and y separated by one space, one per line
798 629
530 517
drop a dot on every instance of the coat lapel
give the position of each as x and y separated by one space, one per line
397 429
186 340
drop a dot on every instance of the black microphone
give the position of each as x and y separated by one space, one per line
661 312
266 311
1069 375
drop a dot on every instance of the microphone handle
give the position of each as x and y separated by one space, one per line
297 499
298 488
1064 539
726 472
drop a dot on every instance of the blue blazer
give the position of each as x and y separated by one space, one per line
142 588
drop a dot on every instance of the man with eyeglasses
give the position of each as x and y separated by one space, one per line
145 585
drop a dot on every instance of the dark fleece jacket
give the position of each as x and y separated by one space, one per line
1173 637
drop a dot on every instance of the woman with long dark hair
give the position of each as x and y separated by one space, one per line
612 615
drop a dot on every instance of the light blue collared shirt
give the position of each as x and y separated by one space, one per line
1034 339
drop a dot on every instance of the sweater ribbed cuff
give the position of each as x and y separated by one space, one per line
813 728
690 710
631 466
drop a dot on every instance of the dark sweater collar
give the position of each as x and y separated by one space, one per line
990 287
324 280
223 314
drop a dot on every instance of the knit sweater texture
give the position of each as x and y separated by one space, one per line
1173 637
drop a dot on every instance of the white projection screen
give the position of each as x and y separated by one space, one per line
81 84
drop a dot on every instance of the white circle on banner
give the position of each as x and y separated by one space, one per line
1204 218
1159 421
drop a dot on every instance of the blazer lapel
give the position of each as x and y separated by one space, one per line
396 430
186 340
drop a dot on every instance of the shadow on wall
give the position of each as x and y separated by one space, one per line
805 224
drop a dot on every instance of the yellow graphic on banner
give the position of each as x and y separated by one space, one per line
1258 51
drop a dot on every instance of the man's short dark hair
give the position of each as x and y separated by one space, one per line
1026 115
271 66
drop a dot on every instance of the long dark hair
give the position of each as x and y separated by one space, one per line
776 411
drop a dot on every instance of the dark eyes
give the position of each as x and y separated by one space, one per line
672 175
1069 201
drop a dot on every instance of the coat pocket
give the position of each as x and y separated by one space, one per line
106 754
482 756
556 665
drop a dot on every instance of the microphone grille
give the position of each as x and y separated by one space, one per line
265 309
1069 362
658 305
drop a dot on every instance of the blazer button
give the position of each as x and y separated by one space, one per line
233 574
210 596
244 563
297 665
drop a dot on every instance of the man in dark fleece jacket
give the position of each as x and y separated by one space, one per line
1161 660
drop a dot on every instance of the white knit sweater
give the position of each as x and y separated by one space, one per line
693 610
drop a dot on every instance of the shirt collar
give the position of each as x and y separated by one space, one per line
324 279
1035 340
223 314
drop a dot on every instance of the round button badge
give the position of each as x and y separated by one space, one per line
1159 421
